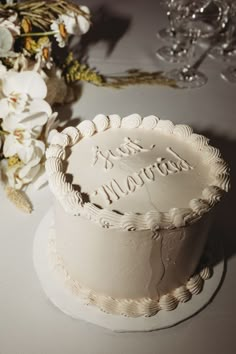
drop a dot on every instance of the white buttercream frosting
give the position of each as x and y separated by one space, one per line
182 130
149 122
54 164
206 273
165 126
131 122
199 153
132 200
115 121
182 294
87 128
55 151
101 122
73 134
61 139
124 306
195 284
199 141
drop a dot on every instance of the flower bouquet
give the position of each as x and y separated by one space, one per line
37 70
31 81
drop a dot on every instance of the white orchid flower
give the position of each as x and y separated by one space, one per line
3 70
22 129
23 152
6 43
50 127
24 91
21 174
29 151
27 82
11 23
22 61
76 24
23 145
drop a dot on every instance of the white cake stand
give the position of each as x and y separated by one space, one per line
72 305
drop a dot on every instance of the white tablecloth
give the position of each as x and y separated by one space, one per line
29 323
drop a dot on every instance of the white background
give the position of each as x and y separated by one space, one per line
29 323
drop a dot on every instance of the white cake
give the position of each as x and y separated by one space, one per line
133 204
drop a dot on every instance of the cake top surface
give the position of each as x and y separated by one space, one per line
135 173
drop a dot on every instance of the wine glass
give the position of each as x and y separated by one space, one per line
168 33
204 20
178 51
229 74
228 54
225 49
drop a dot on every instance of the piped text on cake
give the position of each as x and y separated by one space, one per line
126 149
113 190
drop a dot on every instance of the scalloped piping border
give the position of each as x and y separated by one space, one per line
73 203
127 307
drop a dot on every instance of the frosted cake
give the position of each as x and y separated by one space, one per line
133 204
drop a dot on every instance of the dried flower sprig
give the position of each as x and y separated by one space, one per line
137 76
19 199
74 71
34 11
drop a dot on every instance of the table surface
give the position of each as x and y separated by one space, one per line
29 323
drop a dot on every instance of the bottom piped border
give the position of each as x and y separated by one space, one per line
128 307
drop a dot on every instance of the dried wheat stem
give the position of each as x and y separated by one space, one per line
19 199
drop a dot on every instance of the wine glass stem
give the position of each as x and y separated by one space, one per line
188 70
172 28
191 48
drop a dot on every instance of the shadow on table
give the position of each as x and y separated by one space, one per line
65 117
107 26
224 225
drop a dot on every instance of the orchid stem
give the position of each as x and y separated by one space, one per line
38 34
3 132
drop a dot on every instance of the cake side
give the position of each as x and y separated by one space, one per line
133 207
143 277
128 264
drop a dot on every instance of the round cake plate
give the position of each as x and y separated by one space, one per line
61 296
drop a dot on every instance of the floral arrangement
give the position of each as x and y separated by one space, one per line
26 119
33 77
31 81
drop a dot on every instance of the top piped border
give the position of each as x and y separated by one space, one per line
73 203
